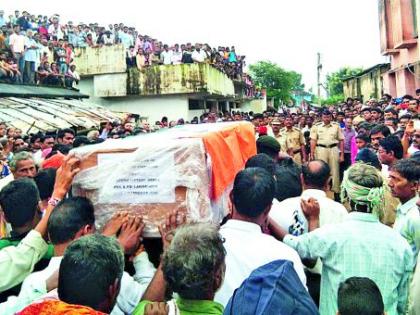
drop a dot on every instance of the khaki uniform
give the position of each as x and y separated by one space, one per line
390 205
280 139
294 140
358 119
327 139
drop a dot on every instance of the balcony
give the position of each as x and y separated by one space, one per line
111 78
179 79
102 60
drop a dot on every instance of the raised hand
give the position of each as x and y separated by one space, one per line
310 208
65 175
130 234
114 224
167 229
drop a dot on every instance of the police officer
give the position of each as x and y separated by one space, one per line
276 127
327 144
294 140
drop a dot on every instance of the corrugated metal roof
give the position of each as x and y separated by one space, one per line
40 114
17 90
380 65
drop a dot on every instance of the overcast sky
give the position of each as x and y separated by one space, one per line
287 32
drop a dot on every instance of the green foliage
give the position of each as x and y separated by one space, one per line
335 99
334 80
278 82
332 100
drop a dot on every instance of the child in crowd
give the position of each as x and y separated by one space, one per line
362 141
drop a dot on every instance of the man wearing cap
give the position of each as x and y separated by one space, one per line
366 113
327 144
275 127
269 146
294 140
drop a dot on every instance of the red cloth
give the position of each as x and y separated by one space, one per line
54 162
262 131
57 307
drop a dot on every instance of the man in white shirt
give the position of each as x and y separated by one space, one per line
198 54
246 246
31 58
403 181
74 218
315 181
17 46
166 55
289 215
176 55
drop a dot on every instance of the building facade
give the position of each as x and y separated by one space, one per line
399 27
176 91
367 84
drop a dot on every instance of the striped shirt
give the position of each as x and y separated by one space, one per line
361 246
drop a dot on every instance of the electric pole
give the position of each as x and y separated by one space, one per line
319 68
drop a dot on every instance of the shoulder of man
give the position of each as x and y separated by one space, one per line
6 242
297 129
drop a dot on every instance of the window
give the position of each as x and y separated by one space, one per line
195 104
415 22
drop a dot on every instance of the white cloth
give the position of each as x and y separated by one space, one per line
247 248
166 57
17 43
385 170
176 57
406 212
108 40
289 215
52 30
199 56
412 149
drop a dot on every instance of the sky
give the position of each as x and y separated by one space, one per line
287 32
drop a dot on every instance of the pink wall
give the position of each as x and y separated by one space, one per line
397 41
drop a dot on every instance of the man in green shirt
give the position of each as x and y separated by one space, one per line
19 201
17 262
193 266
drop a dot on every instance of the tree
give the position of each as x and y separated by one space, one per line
278 82
335 80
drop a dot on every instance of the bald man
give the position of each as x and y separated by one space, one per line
289 215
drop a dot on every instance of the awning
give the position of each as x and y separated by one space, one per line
40 114
19 90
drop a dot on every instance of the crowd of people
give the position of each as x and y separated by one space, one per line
325 219
37 49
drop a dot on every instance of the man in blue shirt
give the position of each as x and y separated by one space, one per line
2 19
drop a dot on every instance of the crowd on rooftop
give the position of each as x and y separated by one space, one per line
324 220
37 49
